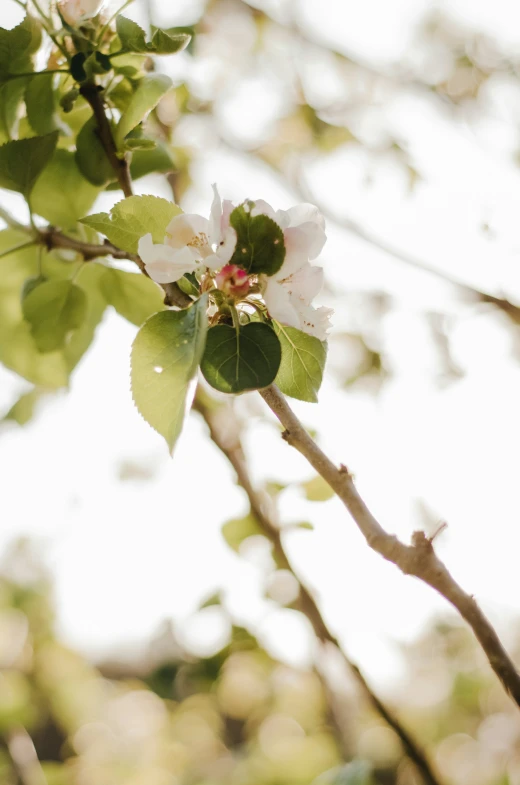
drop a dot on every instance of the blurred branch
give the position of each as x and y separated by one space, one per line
355 228
224 430
418 559
401 79
303 192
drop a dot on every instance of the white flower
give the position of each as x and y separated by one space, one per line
163 263
288 293
75 11
191 242
303 228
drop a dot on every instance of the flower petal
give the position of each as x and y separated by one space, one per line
306 283
165 264
224 251
227 209
185 228
279 303
315 321
263 208
215 217
304 213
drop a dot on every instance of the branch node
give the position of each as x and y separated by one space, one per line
286 436
421 542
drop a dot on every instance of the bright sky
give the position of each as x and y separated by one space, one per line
125 556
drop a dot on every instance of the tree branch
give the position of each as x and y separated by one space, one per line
52 238
91 92
353 227
225 433
418 559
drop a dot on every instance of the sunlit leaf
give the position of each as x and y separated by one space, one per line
133 39
165 357
302 365
91 159
22 411
40 101
61 194
317 489
133 295
22 161
53 310
237 530
148 94
132 218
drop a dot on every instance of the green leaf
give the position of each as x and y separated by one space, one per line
144 162
163 43
17 46
237 530
303 363
133 39
22 161
53 310
22 411
91 159
260 245
133 295
61 194
40 102
11 96
239 360
147 161
18 350
138 143
317 489
132 218
32 283
165 357
148 94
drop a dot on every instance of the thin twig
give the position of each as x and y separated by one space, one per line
20 247
92 93
418 559
225 433
52 238
354 227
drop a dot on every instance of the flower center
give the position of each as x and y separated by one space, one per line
199 240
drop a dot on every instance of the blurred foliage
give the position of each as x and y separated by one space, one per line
235 716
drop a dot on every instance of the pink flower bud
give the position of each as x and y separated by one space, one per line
232 280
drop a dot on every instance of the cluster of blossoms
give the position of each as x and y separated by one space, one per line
194 244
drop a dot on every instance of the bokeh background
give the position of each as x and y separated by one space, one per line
137 645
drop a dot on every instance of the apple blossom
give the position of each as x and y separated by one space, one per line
289 292
75 11
192 242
